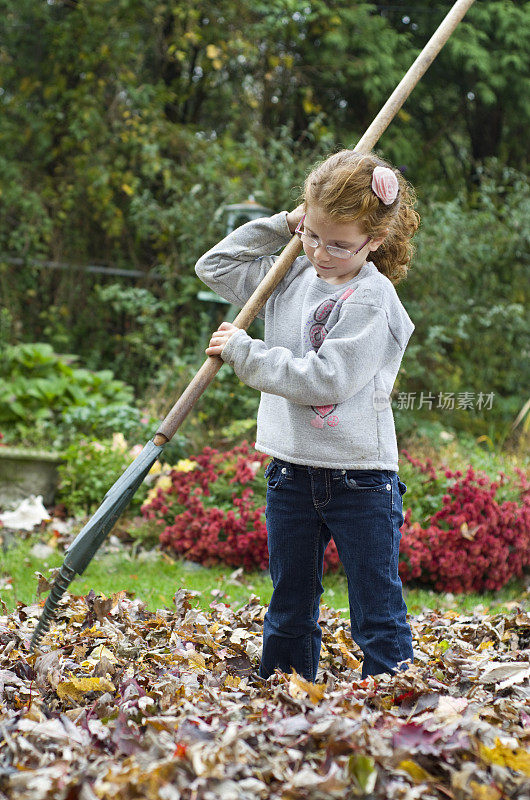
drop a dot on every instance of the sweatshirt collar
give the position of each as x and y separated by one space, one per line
331 288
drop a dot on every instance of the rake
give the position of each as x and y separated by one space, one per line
84 547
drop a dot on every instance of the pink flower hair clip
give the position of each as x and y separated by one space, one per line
385 184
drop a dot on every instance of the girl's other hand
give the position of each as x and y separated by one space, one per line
220 337
294 217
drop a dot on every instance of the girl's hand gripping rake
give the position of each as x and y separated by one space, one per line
86 544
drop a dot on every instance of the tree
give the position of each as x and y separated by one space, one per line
472 104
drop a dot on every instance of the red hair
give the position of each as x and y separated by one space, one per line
341 186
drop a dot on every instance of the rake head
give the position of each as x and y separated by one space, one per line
89 539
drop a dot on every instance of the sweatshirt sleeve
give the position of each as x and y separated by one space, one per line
355 349
238 263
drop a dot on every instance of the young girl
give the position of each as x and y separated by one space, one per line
335 335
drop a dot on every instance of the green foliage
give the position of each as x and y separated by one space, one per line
125 127
472 103
471 331
46 399
88 472
144 533
134 332
424 491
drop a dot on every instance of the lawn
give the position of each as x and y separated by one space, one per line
154 577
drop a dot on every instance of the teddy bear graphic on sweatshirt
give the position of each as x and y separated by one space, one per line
317 332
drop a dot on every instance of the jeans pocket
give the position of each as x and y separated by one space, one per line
276 475
269 468
359 480
402 486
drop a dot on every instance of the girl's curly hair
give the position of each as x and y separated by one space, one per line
342 187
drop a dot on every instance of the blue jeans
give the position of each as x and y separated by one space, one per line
363 511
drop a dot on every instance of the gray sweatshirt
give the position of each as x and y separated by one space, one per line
330 357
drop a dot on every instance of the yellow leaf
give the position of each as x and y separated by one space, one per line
310 107
97 654
505 756
344 643
349 660
196 658
212 51
299 686
484 645
341 637
485 438
482 791
417 773
232 681
404 115
77 617
35 714
127 189
75 688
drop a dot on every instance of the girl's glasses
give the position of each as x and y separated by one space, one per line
313 241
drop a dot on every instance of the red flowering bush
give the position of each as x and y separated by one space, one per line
211 509
474 541
458 535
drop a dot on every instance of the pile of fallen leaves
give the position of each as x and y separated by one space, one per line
121 702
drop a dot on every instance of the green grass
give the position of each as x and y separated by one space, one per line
155 582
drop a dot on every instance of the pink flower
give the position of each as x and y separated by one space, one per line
385 184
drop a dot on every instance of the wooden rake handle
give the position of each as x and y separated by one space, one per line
280 268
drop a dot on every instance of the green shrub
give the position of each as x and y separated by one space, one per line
46 400
89 471
466 294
